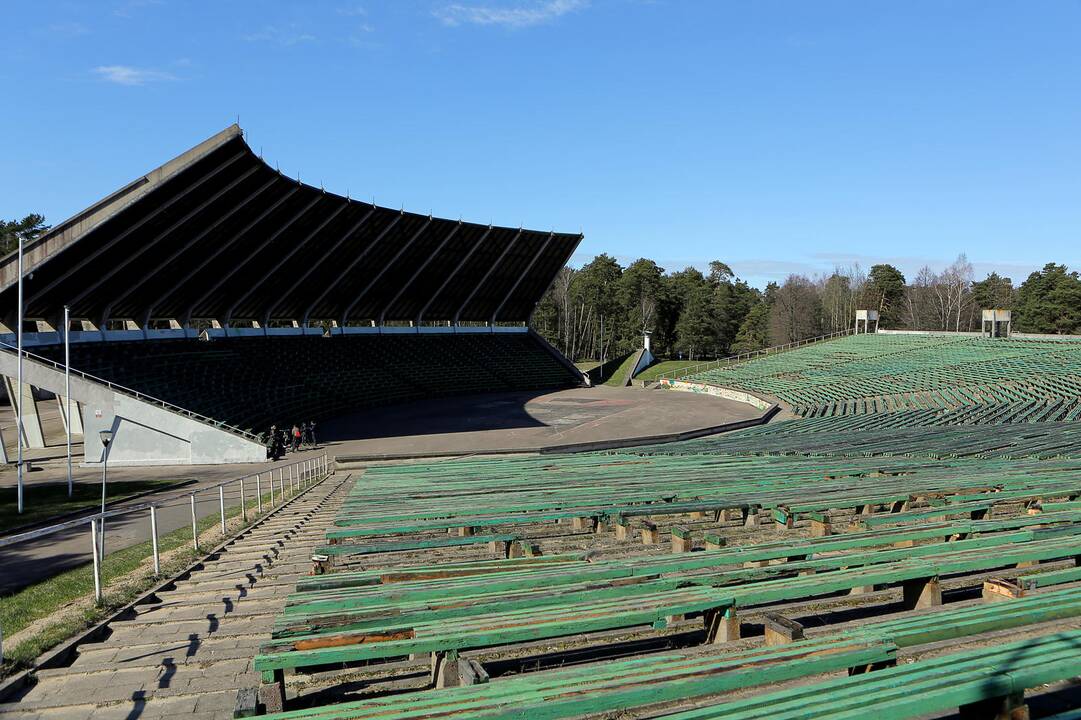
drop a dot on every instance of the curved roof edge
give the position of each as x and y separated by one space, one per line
70 231
217 233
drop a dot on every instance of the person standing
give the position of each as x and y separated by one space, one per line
296 438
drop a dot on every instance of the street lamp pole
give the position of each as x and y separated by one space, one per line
106 438
67 388
19 384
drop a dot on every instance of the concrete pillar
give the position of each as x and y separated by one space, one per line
33 434
76 415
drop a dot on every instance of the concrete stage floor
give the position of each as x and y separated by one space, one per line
526 421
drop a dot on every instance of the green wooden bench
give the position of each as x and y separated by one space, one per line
994 678
411 545
393 628
608 686
621 685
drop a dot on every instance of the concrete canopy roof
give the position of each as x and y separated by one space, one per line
218 234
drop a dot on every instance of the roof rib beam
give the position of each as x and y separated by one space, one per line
386 266
225 277
566 259
345 236
543 247
185 247
450 276
407 283
210 258
484 279
342 276
297 247
157 238
150 216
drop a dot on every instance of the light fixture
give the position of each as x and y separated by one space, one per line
106 437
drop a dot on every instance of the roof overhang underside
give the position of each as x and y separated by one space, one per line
218 234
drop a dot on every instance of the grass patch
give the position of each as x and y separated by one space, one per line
39 601
619 372
664 368
42 502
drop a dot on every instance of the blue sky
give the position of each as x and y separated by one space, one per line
776 136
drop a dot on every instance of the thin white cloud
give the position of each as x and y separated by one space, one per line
129 8
69 29
281 36
519 15
353 11
128 75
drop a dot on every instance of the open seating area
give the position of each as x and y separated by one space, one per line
636 584
252 382
943 374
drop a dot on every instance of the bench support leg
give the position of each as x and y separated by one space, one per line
721 626
272 691
623 532
1010 707
445 669
922 593
821 528
781 630
861 669
1001 589
750 518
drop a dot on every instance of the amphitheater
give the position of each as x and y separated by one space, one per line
876 525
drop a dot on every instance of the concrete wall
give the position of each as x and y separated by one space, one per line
644 361
717 391
143 433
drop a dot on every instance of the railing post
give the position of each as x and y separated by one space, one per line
221 504
243 502
271 488
290 479
154 539
194 525
259 492
281 485
97 561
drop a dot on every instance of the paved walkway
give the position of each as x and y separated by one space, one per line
188 654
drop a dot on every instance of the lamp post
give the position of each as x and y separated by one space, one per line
19 383
106 438
67 389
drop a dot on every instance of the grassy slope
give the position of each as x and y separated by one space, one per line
664 367
619 372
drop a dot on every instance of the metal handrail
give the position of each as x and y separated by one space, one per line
308 471
689 370
164 404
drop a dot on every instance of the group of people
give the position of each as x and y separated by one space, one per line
278 441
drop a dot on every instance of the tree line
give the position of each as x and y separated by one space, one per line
603 308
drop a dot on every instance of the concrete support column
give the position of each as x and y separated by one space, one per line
76 415
33 435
